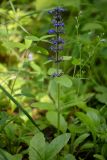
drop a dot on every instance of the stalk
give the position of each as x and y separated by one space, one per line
57 46
58 106
58 86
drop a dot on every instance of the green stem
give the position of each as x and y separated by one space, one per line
18 105
12 6
12 89
58 107
58 86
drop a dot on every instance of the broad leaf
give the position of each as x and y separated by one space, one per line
43 38
12 45
36 67
28 43
69 157
53 70
44 106
99 157
33 38
67 58
41 50
37 147
52 117
7 156
64 81
56 145
101 96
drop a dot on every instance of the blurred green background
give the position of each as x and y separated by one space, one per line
25 69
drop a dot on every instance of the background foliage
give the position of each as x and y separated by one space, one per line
24 73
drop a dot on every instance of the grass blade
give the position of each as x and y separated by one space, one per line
18 105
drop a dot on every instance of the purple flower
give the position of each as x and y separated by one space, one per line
59 9
60 40
59 24
56 74
51 11
57 42
51 31
56 49
56 10
30 56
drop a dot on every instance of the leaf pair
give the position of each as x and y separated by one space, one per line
40 150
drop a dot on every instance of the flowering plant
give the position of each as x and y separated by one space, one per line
57 42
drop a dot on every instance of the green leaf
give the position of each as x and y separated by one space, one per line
67 58
53 70
103 51
12 45
87 145
76 61
74 129
18 105
52 89
36 39
94 115
4 156
28 43
10 130
64 81
43 38
104 150
102 95
46 62
17 157
99 157
92 26
56 145
41 50
37 147
33 38
52 117
88 122
79 140
69 157
44 106
7 156
35 67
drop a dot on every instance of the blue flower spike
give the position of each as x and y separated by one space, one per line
57 30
